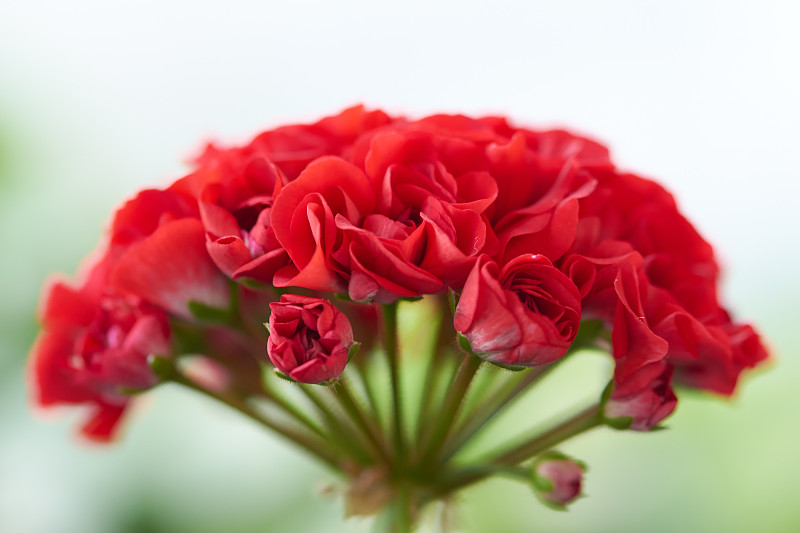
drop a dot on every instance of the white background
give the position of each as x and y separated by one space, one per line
100 98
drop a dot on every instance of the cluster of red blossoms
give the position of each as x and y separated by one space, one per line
536 233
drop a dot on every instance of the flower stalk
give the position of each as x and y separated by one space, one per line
450 408
308 442
390 342
584 421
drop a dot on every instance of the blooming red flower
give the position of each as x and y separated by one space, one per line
665 280
526 314
97 336
95 344
402 229
309 339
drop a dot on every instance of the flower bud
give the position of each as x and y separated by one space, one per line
309 338
557 479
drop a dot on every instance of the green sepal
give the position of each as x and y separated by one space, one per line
464 343
266 326
541 484
554 506
161 367
410 298
207 313
127 391
452 299
256 285
606 395
623 422
342 296
658 428
552 455
283 376
352 351
512 368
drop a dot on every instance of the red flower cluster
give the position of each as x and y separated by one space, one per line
536 230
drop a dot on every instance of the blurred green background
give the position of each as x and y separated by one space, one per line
98 100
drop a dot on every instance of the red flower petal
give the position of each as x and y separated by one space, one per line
172 267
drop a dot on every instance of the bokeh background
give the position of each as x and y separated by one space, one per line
98 99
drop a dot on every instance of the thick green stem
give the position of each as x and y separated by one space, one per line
399 515
390 343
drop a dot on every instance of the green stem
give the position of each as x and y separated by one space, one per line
337 427
390 343
354 410
455 396
488 410
580 423
430 376
399 513
307 442
362 369
585 420
292 410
